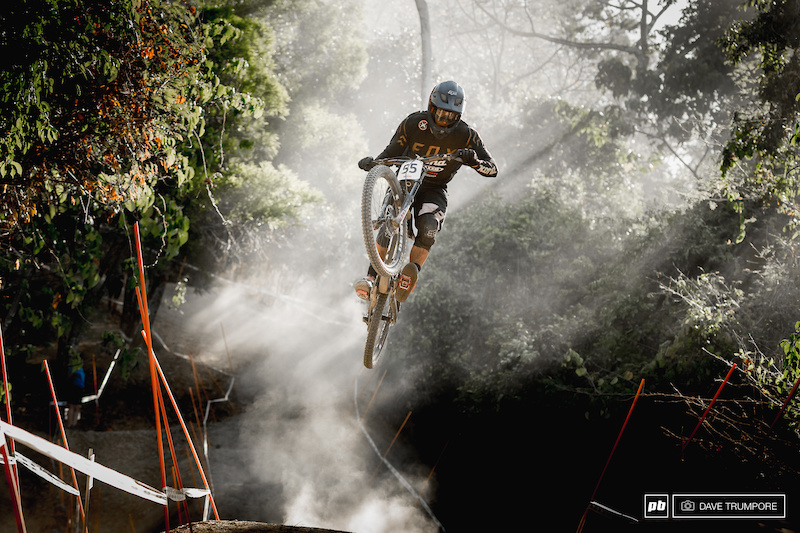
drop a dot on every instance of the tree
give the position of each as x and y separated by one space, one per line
767 133
320 58
251 195
116 113
425 35
100 99
668 81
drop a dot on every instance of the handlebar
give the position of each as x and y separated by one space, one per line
389 161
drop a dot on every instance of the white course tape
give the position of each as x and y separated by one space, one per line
612 511
45 474
179 495
389 465
94 469
82 464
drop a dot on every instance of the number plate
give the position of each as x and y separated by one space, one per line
410 171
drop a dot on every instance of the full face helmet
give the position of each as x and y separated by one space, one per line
445 106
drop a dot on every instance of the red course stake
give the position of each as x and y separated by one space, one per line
724 381
583 518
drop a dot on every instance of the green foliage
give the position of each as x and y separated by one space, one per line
262 194
527 268
5 395
767 133
791 366
45 302
692 79
320 58
535 296
245 64
129 357
774 383
146 111
586 163
165 221
102 99
711 301
321 147
668 82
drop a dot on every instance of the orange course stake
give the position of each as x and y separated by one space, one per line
7 397
144 311
699 422
176 475
397 434
186 434
159 440
375 393
155 372
430 474
392 443
16 501
11 469
64 439
141 296
630 411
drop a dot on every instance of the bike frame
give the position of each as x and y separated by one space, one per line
411 194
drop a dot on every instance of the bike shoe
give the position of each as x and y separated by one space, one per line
364 287
407 281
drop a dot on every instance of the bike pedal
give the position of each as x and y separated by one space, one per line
407 281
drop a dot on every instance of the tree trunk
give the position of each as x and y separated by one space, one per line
425 32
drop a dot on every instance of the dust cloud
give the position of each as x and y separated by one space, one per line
294 343
295 454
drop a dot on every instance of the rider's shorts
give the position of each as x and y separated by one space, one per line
431 200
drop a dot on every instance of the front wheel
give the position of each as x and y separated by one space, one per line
385 239
377 331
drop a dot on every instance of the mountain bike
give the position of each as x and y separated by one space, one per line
386 222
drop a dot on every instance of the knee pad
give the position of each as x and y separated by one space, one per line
427 227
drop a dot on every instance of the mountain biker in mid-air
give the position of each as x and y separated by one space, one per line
439 130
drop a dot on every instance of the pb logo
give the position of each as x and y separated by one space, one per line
656 506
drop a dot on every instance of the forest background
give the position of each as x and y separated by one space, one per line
643 224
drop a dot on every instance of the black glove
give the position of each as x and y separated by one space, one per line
367 163
467 156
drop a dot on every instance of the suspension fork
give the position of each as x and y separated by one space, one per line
409 199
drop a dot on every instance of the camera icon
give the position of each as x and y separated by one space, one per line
687 506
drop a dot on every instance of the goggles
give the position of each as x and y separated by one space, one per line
443 117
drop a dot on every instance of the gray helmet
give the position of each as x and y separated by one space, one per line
445 106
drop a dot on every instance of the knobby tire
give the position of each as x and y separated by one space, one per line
377 210
377 332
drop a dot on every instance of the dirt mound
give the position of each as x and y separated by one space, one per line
234 526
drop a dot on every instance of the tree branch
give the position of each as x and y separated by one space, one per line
581 45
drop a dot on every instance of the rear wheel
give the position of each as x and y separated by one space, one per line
381 201
377 332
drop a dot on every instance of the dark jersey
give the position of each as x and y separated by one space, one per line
414 138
